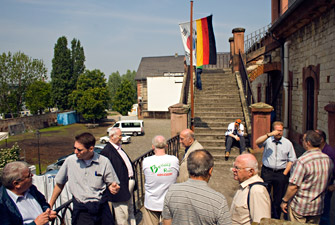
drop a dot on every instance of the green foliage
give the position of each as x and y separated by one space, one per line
8 155
114 82
130 75
91 96
38 97
67 65
17 72
124 98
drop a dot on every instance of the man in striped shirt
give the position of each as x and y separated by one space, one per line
308 181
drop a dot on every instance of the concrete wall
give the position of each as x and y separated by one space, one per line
312 45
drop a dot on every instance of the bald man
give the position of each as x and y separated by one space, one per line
245 172
188 141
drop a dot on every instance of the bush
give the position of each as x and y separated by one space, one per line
8 155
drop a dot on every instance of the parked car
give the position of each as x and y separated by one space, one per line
55 166
131 127
125 139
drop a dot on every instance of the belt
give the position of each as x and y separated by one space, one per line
274 170
131 178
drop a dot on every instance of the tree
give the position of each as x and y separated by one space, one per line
130 75
67 65
91 96
124 97
77 61
17 72
38 97
114 82
61 73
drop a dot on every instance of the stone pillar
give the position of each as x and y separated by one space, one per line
178 114
231 43
238 34
330 108
261 121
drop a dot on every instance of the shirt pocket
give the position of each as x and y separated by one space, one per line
241 213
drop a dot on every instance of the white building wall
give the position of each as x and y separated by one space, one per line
163 92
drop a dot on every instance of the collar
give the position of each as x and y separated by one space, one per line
251 180
117 147
16 197
275 141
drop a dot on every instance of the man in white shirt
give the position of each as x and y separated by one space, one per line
122 202
20 201
234 135
160 171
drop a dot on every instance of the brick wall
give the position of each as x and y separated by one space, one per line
30 122
312 45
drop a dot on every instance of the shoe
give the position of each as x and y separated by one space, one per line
227 156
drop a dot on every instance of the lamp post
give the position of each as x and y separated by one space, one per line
38 135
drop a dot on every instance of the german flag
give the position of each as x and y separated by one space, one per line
206 49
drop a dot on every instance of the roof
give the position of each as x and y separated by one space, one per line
158 65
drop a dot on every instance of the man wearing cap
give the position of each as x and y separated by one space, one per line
234 135
278 157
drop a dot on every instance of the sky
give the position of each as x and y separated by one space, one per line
116 34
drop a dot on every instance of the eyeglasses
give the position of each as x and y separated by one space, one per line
238 169
23 178
78 149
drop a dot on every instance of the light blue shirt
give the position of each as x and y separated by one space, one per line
27 205
87 182
277 154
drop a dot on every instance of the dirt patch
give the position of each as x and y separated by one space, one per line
52 144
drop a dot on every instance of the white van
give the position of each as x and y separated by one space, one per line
131 127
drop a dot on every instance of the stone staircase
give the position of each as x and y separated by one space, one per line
217 105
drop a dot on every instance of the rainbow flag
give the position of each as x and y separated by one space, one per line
204 48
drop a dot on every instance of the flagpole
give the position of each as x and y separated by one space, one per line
191 67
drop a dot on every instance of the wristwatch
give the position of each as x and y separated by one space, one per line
267 134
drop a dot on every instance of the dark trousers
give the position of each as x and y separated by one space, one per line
230 141
92 213
325 217
198 83
278 181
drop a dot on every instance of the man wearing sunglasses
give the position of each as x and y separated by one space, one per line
234 135
20 201
88 175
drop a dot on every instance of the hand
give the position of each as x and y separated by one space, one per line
237 138
283 207
274 133
42 218
331 187
114 188
52 214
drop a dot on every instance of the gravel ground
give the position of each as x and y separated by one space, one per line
142 144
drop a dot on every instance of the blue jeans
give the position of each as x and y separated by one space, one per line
325 220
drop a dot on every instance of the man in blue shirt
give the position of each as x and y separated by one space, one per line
278 157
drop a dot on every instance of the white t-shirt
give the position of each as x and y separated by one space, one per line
159 172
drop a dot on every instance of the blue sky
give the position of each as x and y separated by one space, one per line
116 34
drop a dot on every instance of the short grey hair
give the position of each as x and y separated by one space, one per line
199 163
12 172
159 142
113 131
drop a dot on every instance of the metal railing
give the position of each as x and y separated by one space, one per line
253 41
246 82
138 197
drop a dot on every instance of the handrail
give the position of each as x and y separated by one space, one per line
173 147
253 41
245 81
